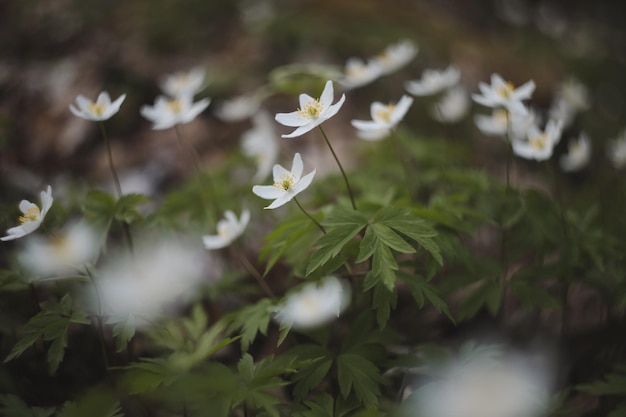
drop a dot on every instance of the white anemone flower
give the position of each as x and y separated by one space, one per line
31 217
578 154
63 253
616 151
228 229
159 276
260 143
357 73
314 304
101 109
312 112
238 108
384 118
495 124
539 144
575 94
396 56
452 106
287 184
433 81
184 83
166 113
504 94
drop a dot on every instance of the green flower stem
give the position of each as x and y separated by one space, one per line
118 186
343 173
309 216
252 271
103 347
195 159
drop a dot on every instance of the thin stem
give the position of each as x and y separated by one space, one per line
407 170
103 347
309 216
116 179
343 173
254 272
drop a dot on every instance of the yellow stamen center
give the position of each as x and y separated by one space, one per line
385 112
32 214
506 90
96 108
539 142
311 110
285 183
175 106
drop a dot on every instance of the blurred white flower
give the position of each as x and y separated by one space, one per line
616 151
228 229
539 144
496 124
287 184
312 112
158 277
433 81
504 94
238 108
395 56
183 83
358 73
453 106
571 97
61 254
166 113
486 387
384 118
259 143
578 155
314 304
102 109
32 216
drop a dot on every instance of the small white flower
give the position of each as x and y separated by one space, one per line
433 81
578 155
166 113
616 151
287 184
238 108
358 73
312 112
396 56
259 143
228 229
539 145
504 94
314 305
384 118
32 216
575 94
75 246
102 109
155 279
184 83
453 106
494 125
560 110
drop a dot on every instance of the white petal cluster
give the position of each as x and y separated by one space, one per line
158 277
358 73
433 81
184 83
571 97
314 304
452 106
312 112
101 109
287 184
260 144
168 112
504 94
578 154
31 217
396 56
61 254
228 229
384 118
539 145
238 108
616 151
502 123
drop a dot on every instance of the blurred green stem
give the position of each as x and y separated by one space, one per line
309 216
343 173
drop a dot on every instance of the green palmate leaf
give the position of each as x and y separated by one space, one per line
331 244
285 237
127 208
421 290
383 301
251 320
487 294
341 216
415 228
147 375
95 403
317 362
354 372
533 296
123 331
99 208
13 406
50 324
321 406
391 239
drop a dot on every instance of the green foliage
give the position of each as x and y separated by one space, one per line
51 324
96 403
13 406
251 320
